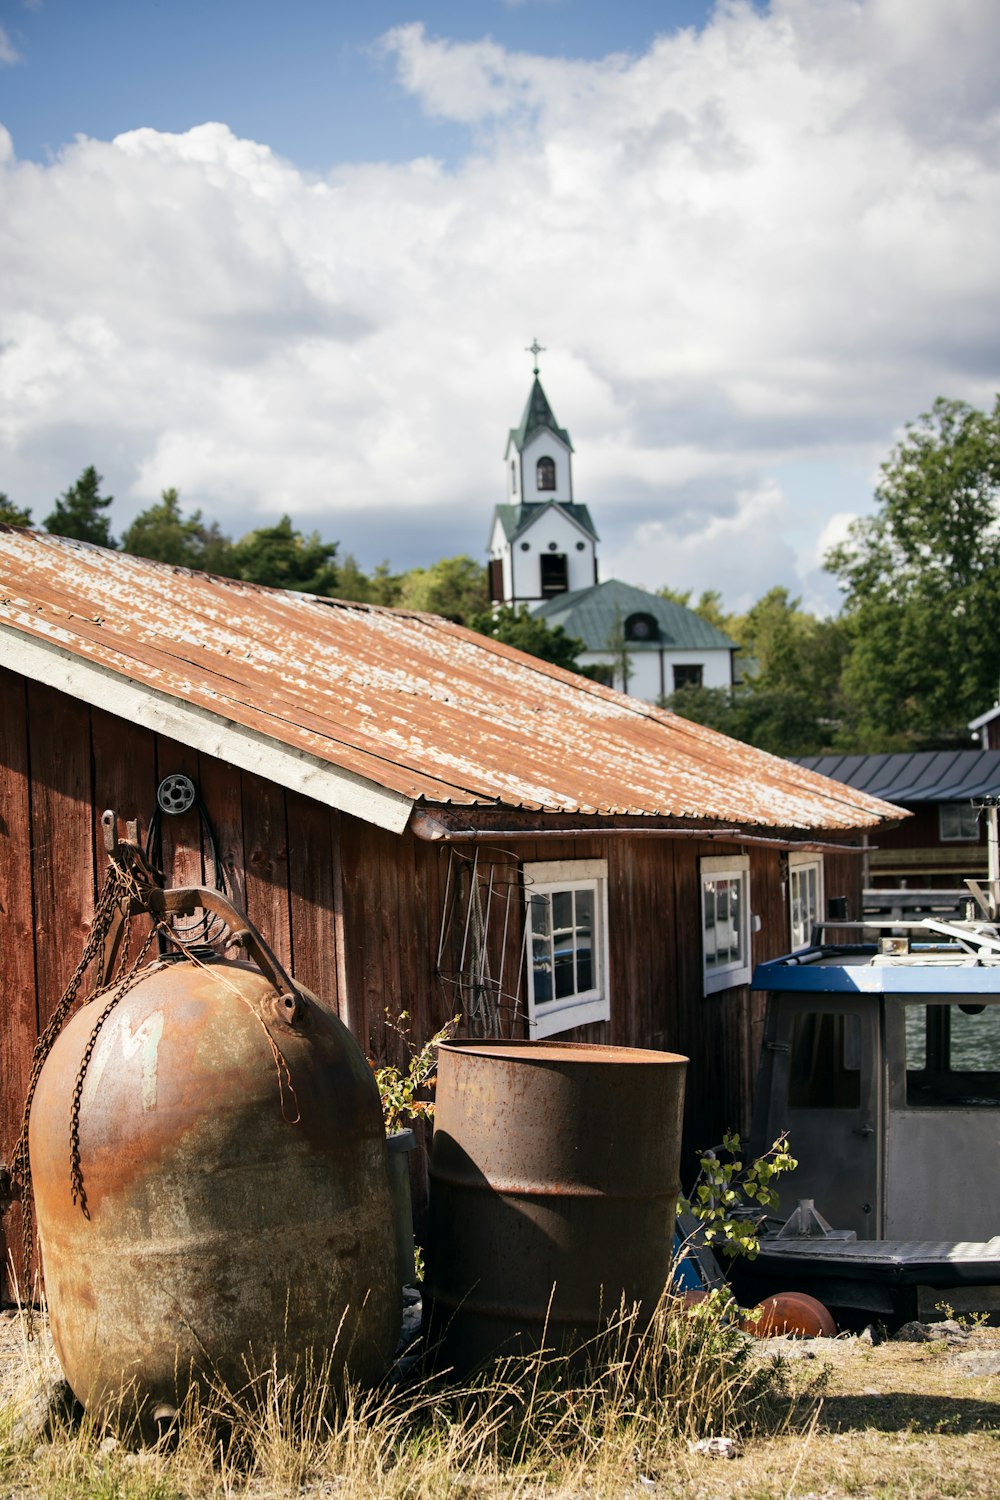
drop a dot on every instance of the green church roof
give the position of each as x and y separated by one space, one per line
592 614
516 518
538 415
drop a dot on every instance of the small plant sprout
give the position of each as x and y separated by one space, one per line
399 1087
731 1200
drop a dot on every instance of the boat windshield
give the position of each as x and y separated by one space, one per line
953 1055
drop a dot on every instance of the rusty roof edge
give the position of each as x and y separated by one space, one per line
250 750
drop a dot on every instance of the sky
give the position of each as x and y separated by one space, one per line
289 259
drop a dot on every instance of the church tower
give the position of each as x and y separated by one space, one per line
541 543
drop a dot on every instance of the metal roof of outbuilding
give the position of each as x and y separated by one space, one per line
375 710
915 776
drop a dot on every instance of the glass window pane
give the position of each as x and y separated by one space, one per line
562 911
953 1059
823 1070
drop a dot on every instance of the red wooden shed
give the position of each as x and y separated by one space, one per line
417 817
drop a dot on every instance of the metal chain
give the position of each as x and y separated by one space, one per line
120 890
122 989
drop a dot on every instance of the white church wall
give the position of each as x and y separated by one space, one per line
554 533
545 444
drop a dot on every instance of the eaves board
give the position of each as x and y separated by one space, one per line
213 734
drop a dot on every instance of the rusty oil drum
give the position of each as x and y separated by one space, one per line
553 1192
235 1213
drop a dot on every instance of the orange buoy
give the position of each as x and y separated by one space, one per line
795 1313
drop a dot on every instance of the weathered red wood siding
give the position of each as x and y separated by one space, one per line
353 911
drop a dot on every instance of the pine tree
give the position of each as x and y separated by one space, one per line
78 511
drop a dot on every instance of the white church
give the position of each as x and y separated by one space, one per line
543 554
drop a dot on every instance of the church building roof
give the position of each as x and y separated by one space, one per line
517 518
538 415
592 615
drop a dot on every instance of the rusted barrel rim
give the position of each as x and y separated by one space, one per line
584 1052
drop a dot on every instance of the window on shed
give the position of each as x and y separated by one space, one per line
725 922
688 674
554 574
958 823
805 896
567 910
545 472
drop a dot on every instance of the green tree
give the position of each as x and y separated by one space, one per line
455 587
921 579
788 699
283 558
381 587
11 514
78 512
520 628
164 534
708 608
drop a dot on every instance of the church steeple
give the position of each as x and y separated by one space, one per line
539 481
538 451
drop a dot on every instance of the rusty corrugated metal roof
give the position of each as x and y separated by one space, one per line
406 704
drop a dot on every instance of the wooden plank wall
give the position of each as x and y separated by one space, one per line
354 912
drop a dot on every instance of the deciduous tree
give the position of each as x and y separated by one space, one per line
520 628
163 533
282 557
921 579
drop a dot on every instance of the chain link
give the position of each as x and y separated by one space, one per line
122 893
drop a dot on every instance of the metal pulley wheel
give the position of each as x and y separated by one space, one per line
175 794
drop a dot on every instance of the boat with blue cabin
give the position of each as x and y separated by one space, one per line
881 1060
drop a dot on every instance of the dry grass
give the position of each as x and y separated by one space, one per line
899 1420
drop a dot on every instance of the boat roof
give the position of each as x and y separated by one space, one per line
931 968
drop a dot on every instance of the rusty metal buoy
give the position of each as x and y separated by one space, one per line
223 1137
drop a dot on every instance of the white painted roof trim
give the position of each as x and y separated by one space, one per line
53 665
985 718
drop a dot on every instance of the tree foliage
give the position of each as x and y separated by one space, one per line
455 587
281 557
921 580
164 534
79 511
11 514
521 629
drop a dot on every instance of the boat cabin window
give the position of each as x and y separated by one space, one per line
825 1064
953 1055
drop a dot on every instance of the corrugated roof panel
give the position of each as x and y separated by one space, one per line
408 702
916 776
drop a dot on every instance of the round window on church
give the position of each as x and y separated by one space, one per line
641 628
553 546
580 546
525 546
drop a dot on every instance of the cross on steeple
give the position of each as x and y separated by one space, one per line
536 349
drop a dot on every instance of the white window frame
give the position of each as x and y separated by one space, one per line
957 809
725 867
799 933
547 1016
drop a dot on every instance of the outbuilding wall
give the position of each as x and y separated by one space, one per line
373 922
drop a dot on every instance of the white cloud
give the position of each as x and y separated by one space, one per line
8 52
750 247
